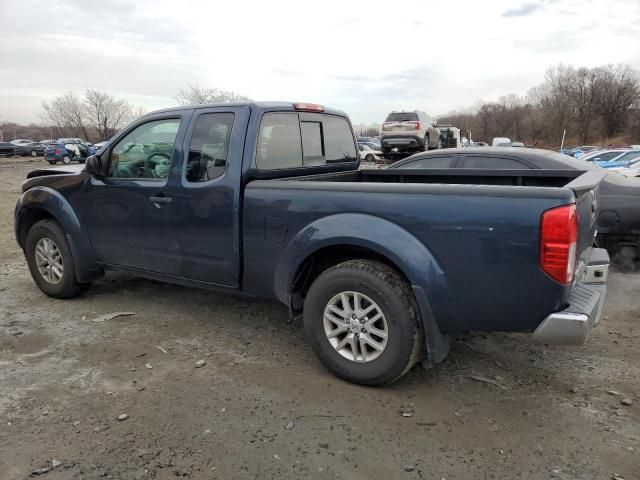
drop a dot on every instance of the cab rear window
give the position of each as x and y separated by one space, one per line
294 140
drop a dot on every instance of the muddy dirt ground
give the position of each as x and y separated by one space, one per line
263 407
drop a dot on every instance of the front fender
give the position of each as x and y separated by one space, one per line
385 238
52 202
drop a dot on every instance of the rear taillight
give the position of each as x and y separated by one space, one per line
416 125
58 151
558 243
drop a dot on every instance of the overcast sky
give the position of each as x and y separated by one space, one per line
365 57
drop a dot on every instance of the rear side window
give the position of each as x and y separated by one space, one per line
209 147
436 161
494 163
402 117
290 140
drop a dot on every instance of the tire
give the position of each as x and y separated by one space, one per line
41 234
369 158
34 153
388 291
66 159
426 144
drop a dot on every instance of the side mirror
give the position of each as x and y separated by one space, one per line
93 166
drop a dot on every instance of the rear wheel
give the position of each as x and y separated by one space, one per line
426 143
50 261
361 321
34 153
369 158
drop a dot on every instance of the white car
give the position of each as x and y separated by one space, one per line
501 142
633 170
22 141
604 155
368 154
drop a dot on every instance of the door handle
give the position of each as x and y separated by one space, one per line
157 199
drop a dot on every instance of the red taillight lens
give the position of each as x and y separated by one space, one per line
558 243
416 125
58 151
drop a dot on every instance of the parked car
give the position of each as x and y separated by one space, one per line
478 144
632 170
266 199
21 141
68 150
7 149
373 142
620 161
603 155
517 144
501 142
34 149
409 132
577 152
618 201
368 154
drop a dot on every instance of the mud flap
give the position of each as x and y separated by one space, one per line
436 343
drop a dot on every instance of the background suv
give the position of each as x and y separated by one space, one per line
409 132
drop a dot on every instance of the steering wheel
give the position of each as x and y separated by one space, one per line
152 162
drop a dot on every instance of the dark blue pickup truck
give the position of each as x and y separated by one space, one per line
267 199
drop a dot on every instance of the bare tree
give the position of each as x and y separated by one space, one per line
197 95
135 112
67 114
105 113
618 90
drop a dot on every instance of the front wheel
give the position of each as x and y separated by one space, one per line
361 320
34 153
50 261
66 159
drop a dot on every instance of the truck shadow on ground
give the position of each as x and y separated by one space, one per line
256 328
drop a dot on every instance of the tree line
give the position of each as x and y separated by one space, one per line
95 116
598 105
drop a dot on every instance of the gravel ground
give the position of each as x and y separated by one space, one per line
499 407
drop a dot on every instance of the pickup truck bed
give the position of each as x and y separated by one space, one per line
462 252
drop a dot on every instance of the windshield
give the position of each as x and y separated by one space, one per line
402 117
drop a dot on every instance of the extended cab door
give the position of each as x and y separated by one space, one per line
204 229
126 213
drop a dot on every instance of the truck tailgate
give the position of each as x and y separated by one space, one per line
585 188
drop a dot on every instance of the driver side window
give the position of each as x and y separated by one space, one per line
146 151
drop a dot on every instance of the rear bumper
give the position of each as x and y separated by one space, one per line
402 142
572 325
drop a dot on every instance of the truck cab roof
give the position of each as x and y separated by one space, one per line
263 106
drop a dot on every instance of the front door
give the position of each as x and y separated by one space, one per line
204 230
126 213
